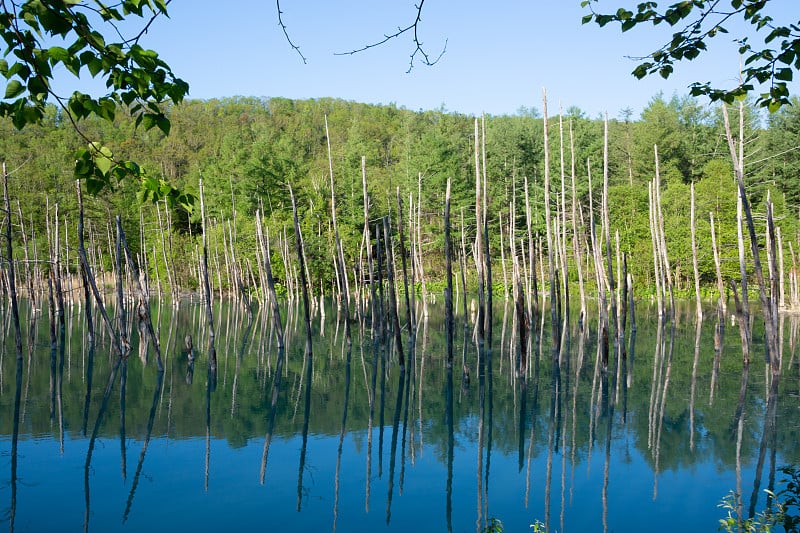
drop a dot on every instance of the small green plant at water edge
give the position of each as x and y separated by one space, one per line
764 521
494 526
783 508
538 527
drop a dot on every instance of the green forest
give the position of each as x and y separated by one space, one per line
247 151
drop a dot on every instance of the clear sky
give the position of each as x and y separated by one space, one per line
499 54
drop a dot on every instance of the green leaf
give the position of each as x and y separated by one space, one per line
19 69
783 74
37 87
14 89
163 124
58 54
94 185
84 165
147 121
104 160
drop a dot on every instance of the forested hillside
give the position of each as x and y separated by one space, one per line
247 151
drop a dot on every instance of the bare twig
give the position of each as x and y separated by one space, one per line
286 33
413 27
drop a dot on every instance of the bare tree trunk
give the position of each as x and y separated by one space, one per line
27 269
411 326
487 258
143 296
341 269
419 249
373 303
387 237
563 233
533 294
771 319
303 281
661 235
12 284
212 350
694 260
782 291
478 252
448 295
607 229
549 229
503 258
657 268
172 288
120 344
273 296
575 241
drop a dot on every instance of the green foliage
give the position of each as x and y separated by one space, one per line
781 141
764 521
494 526
783 508
247 150
538 527
773 61
137 80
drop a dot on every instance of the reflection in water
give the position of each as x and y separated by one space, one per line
645 419
341 437
211 386
450 425
401 382
14 445
123 380
88 397
93 439
768 439
309 363
148 434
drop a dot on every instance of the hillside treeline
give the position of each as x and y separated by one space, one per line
247 150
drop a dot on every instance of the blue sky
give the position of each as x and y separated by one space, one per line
499 54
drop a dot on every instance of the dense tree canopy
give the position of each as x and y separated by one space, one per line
247 149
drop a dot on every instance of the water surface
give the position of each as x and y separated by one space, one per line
354 443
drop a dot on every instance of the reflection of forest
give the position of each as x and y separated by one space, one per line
240 405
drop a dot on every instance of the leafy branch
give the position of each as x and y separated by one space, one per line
136 78
704 20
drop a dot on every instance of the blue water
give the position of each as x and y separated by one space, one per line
202 467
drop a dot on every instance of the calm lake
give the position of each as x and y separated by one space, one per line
355 444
